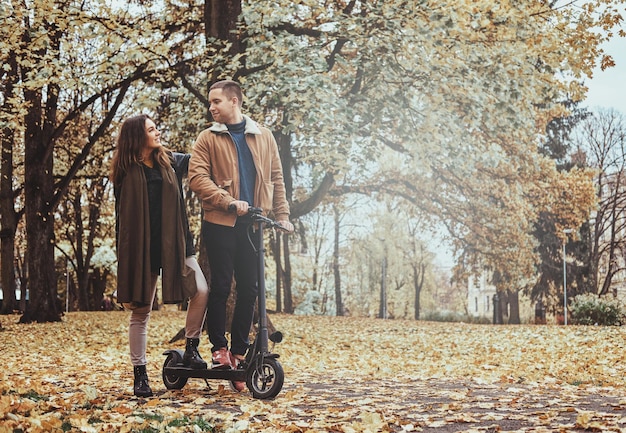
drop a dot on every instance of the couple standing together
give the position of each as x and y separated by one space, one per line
235 165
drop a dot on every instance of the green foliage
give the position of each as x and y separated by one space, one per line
590 309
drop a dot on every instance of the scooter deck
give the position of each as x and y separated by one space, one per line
209 373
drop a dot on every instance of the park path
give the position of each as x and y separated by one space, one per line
318 403
467 406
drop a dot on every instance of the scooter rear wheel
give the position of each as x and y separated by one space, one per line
172 381
266 380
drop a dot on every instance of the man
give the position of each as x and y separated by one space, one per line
235 164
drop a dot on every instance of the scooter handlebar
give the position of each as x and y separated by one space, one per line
256 213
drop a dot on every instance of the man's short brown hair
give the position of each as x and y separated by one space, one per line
230 88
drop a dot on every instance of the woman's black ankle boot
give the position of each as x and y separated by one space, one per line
141 387
191 357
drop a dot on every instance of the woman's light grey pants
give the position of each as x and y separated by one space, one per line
196 312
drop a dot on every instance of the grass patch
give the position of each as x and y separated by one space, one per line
203 424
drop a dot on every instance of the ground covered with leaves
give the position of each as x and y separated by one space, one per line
341 375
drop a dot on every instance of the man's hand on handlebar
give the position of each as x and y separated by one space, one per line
239 206
286 226
243 208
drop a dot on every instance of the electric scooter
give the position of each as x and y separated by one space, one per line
261 371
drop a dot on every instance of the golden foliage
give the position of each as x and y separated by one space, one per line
461 89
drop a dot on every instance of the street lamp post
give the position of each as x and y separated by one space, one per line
566 232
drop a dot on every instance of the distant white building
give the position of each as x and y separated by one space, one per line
480 296
612 231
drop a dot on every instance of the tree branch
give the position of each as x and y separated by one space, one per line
299 209
65 181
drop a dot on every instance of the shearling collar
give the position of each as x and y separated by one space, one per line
251 127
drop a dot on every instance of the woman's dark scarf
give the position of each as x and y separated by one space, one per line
133 245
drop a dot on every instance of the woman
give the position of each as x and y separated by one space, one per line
153 238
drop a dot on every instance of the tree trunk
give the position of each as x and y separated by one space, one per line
7 270
336 273
283 141
21 276
276 252
82 279
501 307
591 257
39 120
287 275
98 284
43 305
418 283
513 298
71 301
497 309
85 245
82 272
382 308
221 18
615 227
9 219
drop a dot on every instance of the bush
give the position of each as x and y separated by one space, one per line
451 316
590 309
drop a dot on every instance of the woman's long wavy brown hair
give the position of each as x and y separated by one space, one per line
130 143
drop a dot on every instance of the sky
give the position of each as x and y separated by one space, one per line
607 89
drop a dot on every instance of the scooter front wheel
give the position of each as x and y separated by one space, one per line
172 380
266 379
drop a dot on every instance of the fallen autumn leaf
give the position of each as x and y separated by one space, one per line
396 376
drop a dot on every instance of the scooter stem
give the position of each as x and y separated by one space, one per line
263 335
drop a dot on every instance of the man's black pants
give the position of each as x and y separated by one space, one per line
230 252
